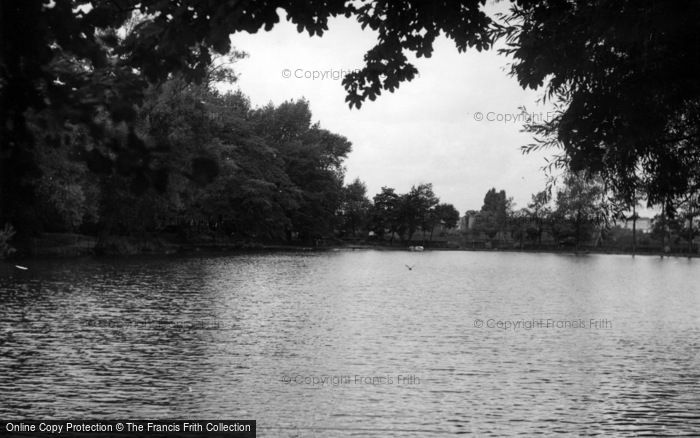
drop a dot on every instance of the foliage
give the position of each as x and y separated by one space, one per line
355 207
6 235
493 216
416 209
409 26
276 174
581 214
520 224
89 63
579 204
624 74
687 224
311 158
447 214
385 213
538 212
404 214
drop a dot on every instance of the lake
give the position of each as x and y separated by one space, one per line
354 343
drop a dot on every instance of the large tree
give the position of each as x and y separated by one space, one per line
579 203
625 76
385 213
312 158
417 208
445 215
494 213
355 207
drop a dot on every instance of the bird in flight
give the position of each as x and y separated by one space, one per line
410 268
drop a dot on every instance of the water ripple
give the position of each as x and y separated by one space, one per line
252 336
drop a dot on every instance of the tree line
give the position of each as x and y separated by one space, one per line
580 211
391 215
220 167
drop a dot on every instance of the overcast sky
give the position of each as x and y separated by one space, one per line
426 131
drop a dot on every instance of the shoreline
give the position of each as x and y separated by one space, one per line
163 247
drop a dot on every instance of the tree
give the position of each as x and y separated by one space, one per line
493 216
355 207
539 212
404 214
447 214
67 193
277 174
312 159
416 208
520 220
662 227
385 212
578 203
624 207
688 212
625 79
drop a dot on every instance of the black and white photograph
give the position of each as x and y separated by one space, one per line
349 218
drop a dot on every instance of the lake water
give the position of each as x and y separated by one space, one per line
353 343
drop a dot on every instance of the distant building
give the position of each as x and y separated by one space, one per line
466 222
471 222
644 225
462 224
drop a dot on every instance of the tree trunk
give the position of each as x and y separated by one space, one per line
690 229
663 231
578 230
522 235
634 231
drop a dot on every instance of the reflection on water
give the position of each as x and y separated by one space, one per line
353 343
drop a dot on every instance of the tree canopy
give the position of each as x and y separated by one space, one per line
625 76
404 214
623 72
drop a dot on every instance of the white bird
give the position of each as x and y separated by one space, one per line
24 268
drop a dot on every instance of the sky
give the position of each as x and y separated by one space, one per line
453 126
